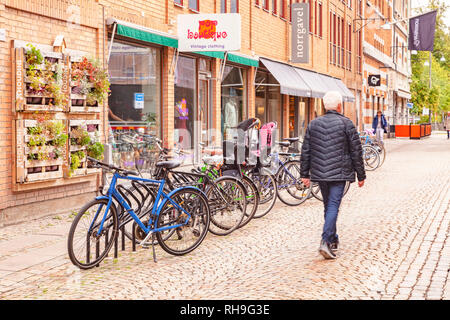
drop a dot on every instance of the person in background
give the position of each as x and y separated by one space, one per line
331 154
379 126
447 127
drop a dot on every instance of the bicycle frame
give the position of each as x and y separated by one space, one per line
113 193
282 164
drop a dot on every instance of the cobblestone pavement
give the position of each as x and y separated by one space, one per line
394 234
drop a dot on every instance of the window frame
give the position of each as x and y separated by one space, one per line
237 6
193 9
320 11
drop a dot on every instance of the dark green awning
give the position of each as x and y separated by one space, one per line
212 54
142 33
146 36
243 60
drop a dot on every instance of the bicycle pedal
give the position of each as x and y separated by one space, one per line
145 245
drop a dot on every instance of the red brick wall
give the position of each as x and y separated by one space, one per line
34 28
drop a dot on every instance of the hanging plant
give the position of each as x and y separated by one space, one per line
95 150
74 162
33 56
45 133
91 80
79 136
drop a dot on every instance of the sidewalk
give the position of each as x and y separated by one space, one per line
32 248
394 233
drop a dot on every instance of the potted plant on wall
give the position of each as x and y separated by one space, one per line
91 80
44 79
46 142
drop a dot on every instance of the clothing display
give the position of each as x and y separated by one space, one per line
181 118
230 118
181 114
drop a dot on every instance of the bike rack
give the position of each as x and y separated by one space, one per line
139 202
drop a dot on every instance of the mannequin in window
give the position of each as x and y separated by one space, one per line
231 114
181 117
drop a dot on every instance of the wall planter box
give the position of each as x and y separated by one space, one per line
40 80
27 97
38 157
77 129
78 99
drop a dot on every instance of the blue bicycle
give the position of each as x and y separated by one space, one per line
179 219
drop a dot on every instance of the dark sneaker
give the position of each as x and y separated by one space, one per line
334 246
326 251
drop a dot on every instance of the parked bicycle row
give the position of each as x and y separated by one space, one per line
162 203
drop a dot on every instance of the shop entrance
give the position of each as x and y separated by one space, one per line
204 120
297 116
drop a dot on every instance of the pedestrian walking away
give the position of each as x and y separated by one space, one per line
331 155
447 127
379 126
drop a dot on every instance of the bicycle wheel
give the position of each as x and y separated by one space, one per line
194 226
86 247
291 190
252 200
315 190
227 202
266 183
381 151
371 158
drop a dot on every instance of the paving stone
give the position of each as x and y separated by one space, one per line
401 251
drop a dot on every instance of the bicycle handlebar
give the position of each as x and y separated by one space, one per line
103 165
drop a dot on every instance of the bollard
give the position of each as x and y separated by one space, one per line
116 246
123 237
133 238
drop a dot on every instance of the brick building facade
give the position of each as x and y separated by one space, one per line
183 92
385 54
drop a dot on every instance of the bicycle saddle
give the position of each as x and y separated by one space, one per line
168 164
283 144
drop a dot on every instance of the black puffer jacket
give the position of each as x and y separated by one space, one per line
332 150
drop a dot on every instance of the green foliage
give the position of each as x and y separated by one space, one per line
80 136
96 150
92 80
437 99
74 162
424 119
33 56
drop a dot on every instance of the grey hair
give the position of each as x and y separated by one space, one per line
331 100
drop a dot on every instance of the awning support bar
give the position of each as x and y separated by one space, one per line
222 67
173 65
112 41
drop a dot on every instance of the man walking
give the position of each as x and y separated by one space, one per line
331 154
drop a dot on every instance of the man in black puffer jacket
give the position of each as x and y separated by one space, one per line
331 154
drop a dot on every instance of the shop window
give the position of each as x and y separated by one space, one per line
178 2
268 102
233 104
185 101
135 100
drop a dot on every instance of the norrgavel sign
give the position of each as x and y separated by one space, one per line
300 33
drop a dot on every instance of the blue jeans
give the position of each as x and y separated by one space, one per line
332 193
